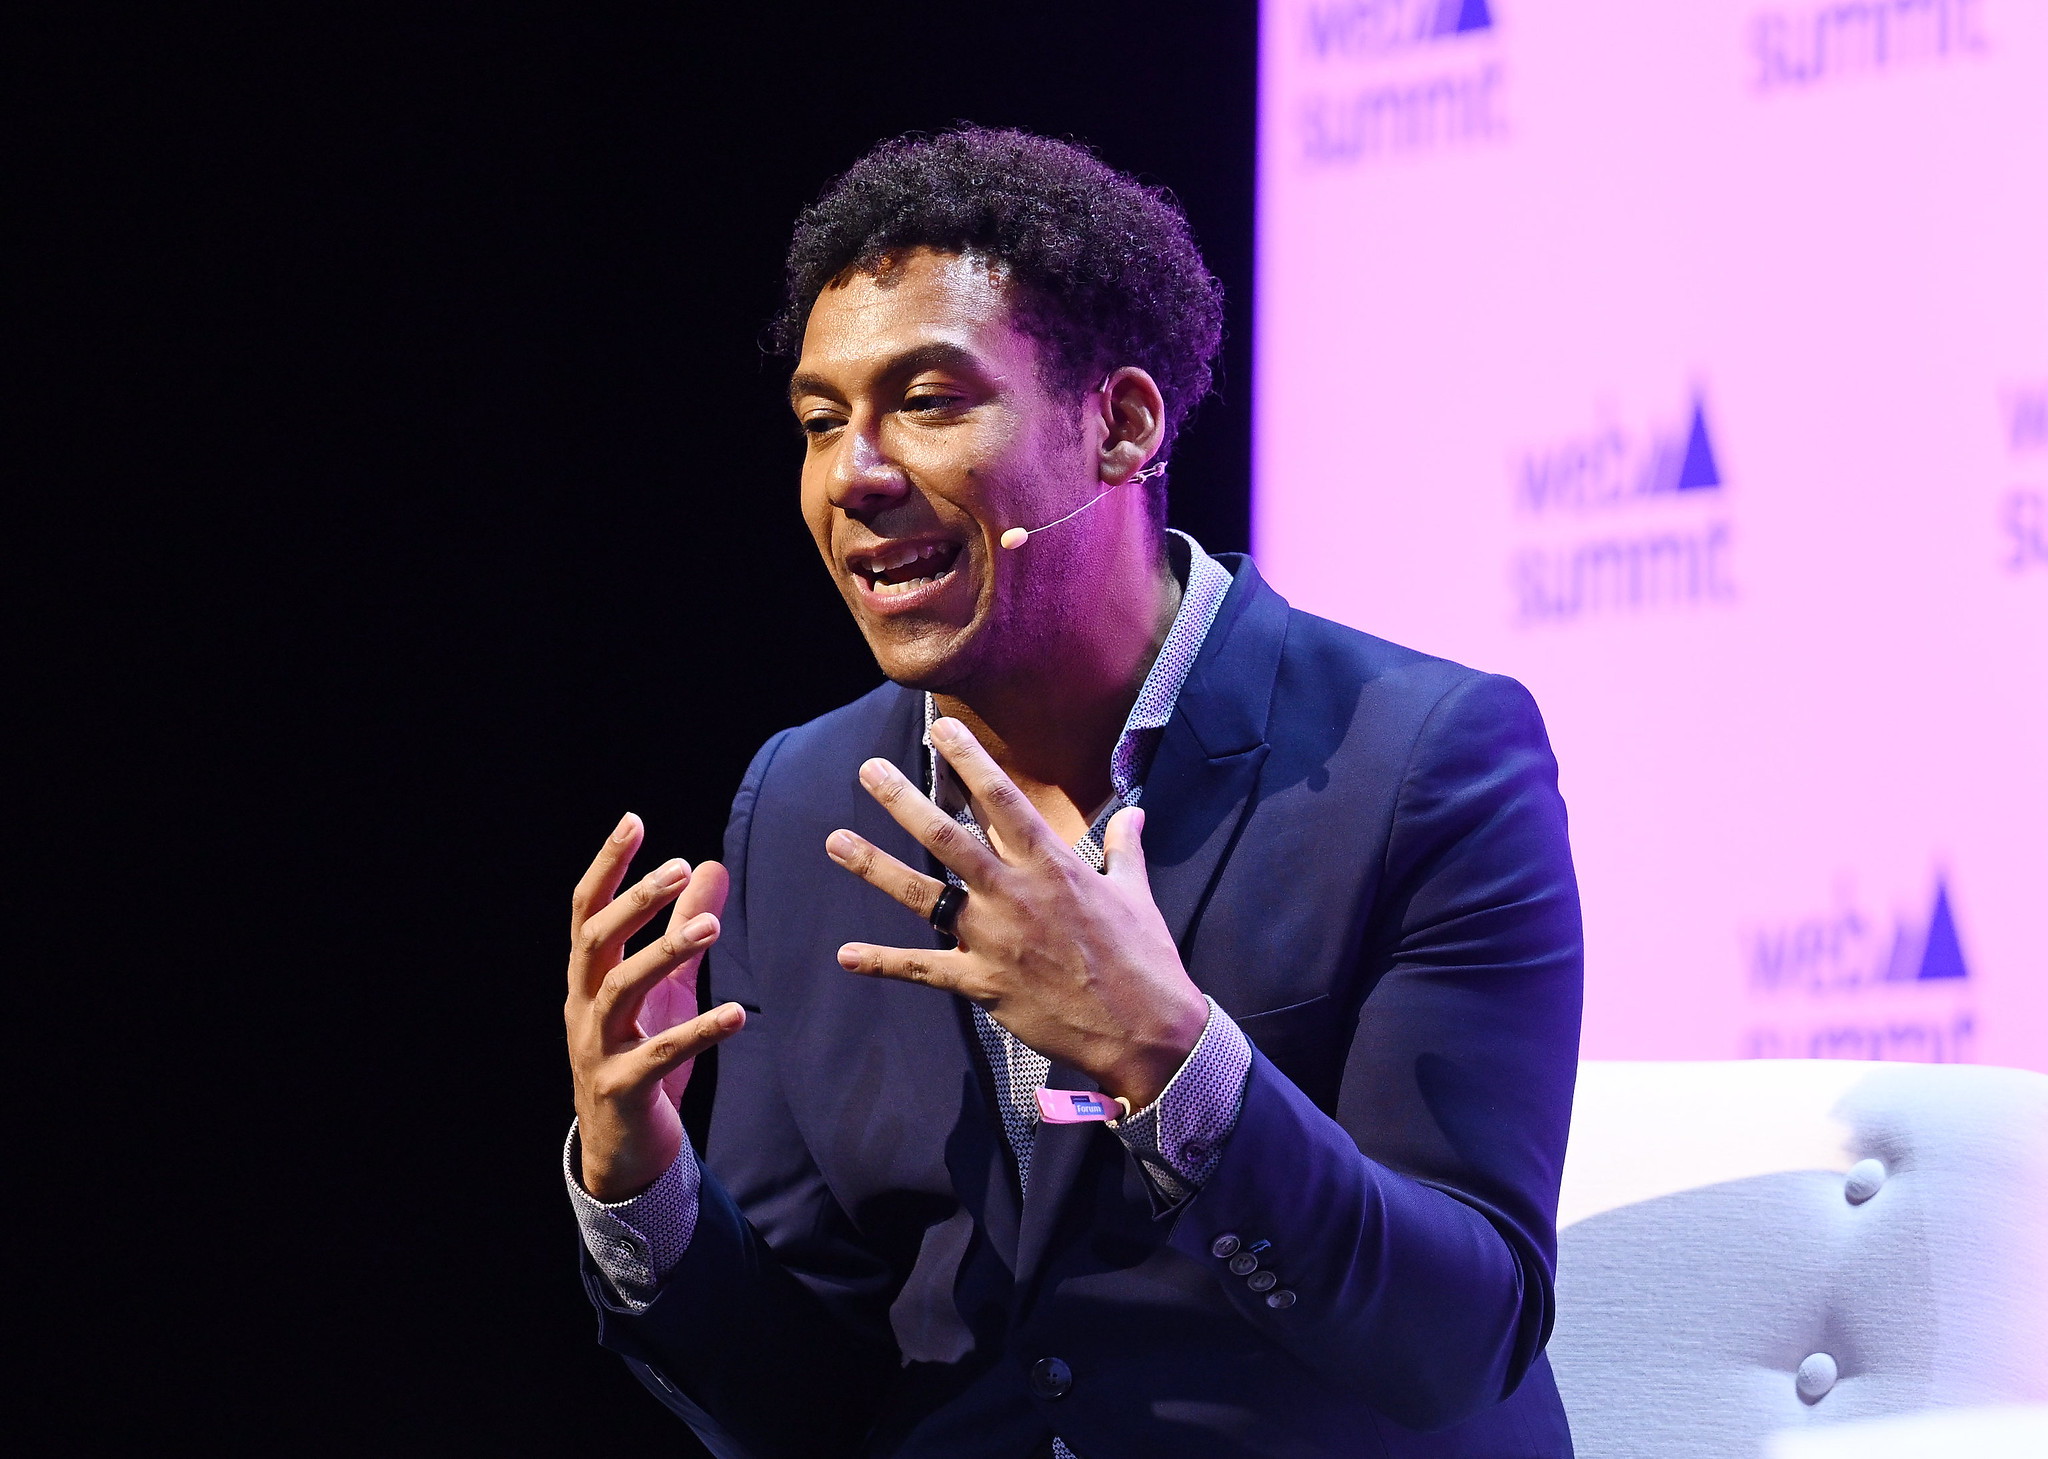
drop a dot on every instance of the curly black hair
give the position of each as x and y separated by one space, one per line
1105 269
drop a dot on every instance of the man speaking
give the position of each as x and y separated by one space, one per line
1149 1019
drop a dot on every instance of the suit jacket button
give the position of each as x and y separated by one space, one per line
1051 1378
1225 1245
1243 1264
1280 1300
1262 1281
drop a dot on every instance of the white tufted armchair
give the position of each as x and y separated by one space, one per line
1754 1247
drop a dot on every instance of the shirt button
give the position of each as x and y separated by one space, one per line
1195 1149
1051 1378
1281 1300
1243 1264
1224 1245
1262 1281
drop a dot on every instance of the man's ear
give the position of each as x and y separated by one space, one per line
1133 419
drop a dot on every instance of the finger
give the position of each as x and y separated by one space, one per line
604 874
595 948
878 868
692 928
617 1001
705 891
1123 848
665 1051
1007 812
955 846
905 964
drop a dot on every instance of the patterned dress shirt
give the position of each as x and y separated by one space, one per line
1176 1140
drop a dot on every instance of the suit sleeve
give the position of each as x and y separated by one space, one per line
1413 1235
774 1285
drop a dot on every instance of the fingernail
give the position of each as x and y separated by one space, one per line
670 873
947 730
731 1016
701 928
849 958
874 773
625 830
840 845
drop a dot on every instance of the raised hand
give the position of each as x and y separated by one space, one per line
633 1025
1077 964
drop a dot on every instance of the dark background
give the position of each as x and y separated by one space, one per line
404 494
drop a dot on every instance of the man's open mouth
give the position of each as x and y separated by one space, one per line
904 567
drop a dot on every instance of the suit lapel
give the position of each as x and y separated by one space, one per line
1201 781
902 1079
1200 802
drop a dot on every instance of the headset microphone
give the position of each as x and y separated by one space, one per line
1017 536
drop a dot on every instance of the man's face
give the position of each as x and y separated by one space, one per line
928 433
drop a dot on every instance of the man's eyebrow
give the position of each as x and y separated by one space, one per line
801 385
937 355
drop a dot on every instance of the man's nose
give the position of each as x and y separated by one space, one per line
865 479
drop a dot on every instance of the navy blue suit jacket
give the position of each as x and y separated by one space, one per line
1361 851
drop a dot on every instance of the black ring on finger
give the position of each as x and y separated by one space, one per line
946 911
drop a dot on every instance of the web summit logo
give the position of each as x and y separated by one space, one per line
1445 90
1611 479
1847 983
1846 949
1360 28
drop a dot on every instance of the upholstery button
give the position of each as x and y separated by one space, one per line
1282 1299
1225 1245
1864 1180
1051 1378
1816 1376
1262 1281
1243 1264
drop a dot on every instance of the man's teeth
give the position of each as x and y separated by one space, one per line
883 589
891 560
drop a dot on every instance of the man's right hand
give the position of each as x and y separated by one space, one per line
628 1080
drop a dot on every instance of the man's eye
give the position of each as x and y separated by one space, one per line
818 425
930 402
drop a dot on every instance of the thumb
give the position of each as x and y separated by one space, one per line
1123 847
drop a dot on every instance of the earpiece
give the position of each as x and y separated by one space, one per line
1016 537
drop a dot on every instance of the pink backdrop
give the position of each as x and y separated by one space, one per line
1689 362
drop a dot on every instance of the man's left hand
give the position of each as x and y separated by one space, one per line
1079 965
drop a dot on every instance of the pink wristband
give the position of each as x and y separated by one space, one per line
1079 1106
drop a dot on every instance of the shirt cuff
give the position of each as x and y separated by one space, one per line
1178 1138
637 1242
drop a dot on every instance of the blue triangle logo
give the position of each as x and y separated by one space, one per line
1698 469
1943 955
1454 17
